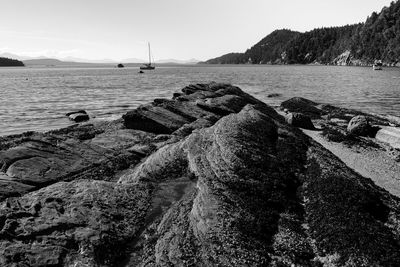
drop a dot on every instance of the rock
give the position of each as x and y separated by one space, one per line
164 116
390 135
359 126
197 124
223 105
141 149
187 109
300 120
75 112
302 105
10 188
274 95
338 121
154 119
41 161
121 139
224 183
196 95
120 65
79 117
249 169
192 88
81 223
176 95
343 59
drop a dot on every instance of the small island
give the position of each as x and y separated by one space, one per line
8 62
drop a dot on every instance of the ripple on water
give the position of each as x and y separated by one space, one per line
40 97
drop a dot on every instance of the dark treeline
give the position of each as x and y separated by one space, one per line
319 45
8 62
377 38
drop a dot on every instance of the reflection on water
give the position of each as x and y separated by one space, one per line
38 98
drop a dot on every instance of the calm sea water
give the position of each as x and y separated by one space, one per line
38 98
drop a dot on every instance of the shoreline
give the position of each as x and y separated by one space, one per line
376 159
370 162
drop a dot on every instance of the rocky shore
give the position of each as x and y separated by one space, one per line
211 177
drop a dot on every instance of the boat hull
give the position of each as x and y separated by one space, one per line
147 68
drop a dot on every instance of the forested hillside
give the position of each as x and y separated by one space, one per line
379 36
359 44
8 62
319 45
271 48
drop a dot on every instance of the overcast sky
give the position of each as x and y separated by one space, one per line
180 29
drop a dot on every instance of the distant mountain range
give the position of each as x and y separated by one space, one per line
54 62
358 44
42 60
176 61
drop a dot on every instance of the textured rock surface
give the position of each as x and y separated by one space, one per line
299 120
359 125
266 194
165 116
390 135
78 116
81 223
302 105
42 160
213 177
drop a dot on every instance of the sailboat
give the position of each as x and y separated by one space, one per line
148 66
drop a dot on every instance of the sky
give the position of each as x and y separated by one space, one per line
178 29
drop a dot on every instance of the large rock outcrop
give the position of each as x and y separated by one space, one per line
222 181
266 194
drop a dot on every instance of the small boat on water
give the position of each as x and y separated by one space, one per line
377 65
148 66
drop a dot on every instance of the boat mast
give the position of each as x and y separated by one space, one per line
149 54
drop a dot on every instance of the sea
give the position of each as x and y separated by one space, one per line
37 99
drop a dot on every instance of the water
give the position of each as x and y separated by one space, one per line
38 98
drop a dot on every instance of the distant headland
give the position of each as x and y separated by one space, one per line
8 62
358 44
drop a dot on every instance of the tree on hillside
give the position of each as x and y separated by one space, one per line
8 62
